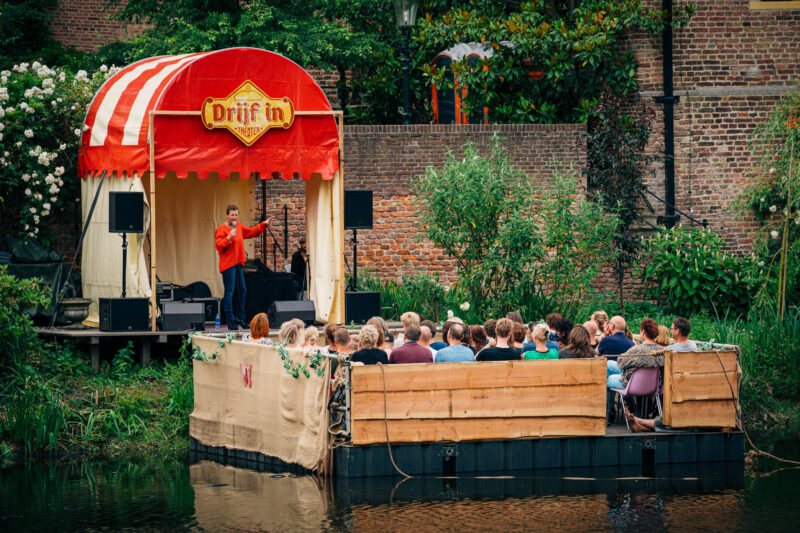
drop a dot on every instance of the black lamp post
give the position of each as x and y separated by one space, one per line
406 13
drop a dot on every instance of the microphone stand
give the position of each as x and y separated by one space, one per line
275 245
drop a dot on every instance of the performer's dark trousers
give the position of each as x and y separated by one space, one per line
235 294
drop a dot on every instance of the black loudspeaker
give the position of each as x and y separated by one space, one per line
124 314
182 316
280 312
125 212
361 306
210 307
357 209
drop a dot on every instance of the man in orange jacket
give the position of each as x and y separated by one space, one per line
229 239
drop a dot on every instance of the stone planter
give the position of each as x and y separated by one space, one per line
76 310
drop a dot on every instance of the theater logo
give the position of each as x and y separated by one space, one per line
248 112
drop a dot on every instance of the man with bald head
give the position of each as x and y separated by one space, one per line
615 342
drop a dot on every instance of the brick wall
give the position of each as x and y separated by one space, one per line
731 65
86 24
386 159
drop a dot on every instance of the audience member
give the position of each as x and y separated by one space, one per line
551 321
385 339
425 337
519 332
638 356
489 327
341 340
563 328
663 339
540 351
438 345
477 338
578 347
680 332
289 334
408 318
591 327
311 339
529 344
259 330
514 316
369 354
502 351
328 332
457 349
599 318
615 342
411 351
353 345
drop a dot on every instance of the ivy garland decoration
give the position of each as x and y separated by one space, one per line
294 369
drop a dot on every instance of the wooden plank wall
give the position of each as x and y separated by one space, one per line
487 400
696 393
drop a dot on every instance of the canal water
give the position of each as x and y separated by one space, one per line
206 496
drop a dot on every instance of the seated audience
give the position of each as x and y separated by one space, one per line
477 338
411 351
578 346
540 351
551 321
259 330
563 328
369 354
615 342
680 332
311 339
457 350
591 327
491 334
663 339
408 318
425 338
639 356
519 332
502 350
289 334
515 317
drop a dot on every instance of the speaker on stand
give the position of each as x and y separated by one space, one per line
357 215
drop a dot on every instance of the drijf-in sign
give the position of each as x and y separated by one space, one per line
248 113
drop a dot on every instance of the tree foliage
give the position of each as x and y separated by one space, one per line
510 242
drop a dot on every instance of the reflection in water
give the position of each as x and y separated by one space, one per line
207 496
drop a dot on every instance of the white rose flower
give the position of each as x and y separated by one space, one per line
103 68
43 159
46 206
26 177
35 219
2 126
45 212
53 189
761 263
450 313
61 77
774 234
27 192
36 64
33 210
48 91
53 199
5 154
77 133
31 234
85 127
54 103
60 182
3 79
762 200
772 209
464 306
49 179
24 105
62 147
38 196
28 133
2 112
6 73
10 110
27 227
81 75
59 171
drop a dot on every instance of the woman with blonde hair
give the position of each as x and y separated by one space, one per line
369 354
289 334
311 339
540 336
382 327
663 338
259 330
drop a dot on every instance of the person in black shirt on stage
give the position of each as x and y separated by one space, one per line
503 351
299 264
369 354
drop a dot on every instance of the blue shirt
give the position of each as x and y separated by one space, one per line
615 344
457 353
438 345
551 345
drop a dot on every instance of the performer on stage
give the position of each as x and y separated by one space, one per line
299 264
229 239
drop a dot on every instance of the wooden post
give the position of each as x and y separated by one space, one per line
153 263
144 361
340 118
94 351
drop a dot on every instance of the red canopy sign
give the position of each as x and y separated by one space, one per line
247 112
117 130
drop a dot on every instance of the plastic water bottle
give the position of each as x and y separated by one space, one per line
216 323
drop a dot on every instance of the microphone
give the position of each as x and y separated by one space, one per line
234 224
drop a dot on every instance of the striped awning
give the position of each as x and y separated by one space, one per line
116 134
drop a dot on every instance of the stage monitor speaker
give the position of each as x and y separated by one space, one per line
125 212
361 306
357 209
124 314
281 311
210 307
182 316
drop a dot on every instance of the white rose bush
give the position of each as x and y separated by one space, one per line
41 115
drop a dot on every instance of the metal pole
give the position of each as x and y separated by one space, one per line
355 260
124 260
406 60
285 231
669 100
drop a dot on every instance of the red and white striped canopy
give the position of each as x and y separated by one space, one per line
116 132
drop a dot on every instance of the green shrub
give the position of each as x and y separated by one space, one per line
687 269
18 335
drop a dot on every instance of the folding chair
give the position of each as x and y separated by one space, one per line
643 382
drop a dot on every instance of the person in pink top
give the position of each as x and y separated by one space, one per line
411 351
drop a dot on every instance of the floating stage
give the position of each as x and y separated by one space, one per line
267 409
